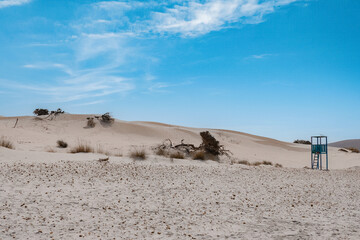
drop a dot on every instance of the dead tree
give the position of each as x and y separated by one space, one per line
209 145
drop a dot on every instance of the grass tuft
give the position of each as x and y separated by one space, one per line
6 143
244 162
82 148
353 150
278 165
177 155
138 154
199 155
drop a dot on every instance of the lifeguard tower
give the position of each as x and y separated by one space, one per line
319 148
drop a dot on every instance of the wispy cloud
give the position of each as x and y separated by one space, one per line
60 66
104 42
187 18
194 18
164 87
9 3
91 85
260 56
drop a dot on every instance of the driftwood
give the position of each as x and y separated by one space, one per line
209 145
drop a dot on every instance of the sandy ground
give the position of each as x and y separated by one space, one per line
160 199
47 193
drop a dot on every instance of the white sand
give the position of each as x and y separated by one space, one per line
66 196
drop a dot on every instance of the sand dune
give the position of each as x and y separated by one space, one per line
35 134
355 143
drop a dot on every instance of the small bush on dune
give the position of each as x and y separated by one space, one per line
61 144
41 112
302 142
199 155
90 122
6 143
177 155
138 154
105 118
82 148
256 163
343 150
278 165
354 150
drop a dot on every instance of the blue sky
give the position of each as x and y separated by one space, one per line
284 69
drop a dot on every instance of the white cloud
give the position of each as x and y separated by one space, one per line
193 18
9 3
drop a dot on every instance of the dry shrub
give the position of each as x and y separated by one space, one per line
210 144
199 155
61 144
265 163
244 162
106 118
177 155
302 142
6 143
343 150
82 148
41 112
278 165
90 122
161 152
353 150
138 154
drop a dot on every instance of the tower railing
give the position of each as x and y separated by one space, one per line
319 148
